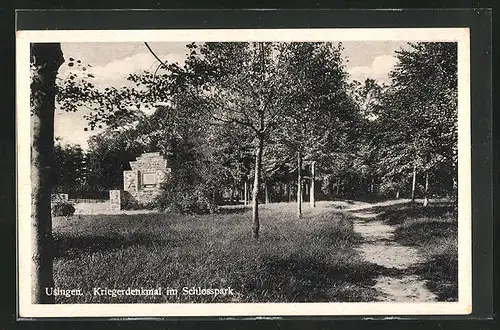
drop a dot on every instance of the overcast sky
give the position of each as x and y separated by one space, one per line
112 62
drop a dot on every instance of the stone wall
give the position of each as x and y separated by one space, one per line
115 200
143 182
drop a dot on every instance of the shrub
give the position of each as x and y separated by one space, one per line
62 209
185 198
132 204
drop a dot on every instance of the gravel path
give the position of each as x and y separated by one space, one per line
379 247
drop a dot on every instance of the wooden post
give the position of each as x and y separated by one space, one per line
245 193
413 182
266 190
312 199
299 185
426 198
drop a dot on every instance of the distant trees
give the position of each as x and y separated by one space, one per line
320 115
68 170
246 85
417 129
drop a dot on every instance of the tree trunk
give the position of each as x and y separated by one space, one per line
299 185
312 199
426 197
397 194
413 182
256 185
46 58
338 187
245 193
289 188
266 189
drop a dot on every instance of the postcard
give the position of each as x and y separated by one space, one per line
233 172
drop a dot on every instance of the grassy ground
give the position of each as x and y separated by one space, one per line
307 260
433 231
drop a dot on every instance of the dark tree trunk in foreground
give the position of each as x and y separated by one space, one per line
46 59
312 199
299 185
414 180
256 185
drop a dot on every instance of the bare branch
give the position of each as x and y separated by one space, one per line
151 51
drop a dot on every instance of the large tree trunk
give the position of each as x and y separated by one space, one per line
312 199
299 185
414 180
46 59
426 197
256 185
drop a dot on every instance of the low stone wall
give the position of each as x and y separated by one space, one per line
85 200
115 200
93 208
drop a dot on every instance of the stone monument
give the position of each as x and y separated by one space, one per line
148 172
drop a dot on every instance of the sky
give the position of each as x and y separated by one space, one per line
112 62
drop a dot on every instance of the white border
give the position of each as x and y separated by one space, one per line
464 304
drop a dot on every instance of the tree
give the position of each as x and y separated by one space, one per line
320 115
46 58
108 156
418 124
244 84
68 170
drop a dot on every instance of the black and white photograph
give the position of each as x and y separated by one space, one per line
253 172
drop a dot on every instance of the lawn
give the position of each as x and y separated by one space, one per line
308 260
433 231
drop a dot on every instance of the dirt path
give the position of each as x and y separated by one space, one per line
379 247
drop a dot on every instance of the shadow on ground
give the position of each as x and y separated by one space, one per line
441 273
432 230
237 209
398 213
299 279
71 246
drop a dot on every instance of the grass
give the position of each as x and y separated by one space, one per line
433 231
307 260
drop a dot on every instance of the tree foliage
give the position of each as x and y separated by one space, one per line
418 124
240 110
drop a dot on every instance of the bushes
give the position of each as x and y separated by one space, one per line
131 204
187 198
62 209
